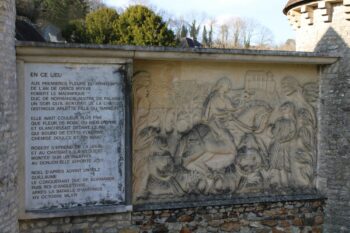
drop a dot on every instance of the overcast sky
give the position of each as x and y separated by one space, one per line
267 12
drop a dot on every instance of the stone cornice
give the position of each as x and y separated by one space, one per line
54 51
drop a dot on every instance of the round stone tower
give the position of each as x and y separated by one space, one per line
314 20
324 26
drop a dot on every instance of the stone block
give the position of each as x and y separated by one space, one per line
270 223
128 230
185 230
230 226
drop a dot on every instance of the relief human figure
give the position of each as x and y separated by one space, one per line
219 148
157 173
251 107
250 163
160 179
211 146
218 100
174 156
141 90
146 128
283 131
294 93
304 151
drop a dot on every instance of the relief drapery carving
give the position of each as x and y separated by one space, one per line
214 138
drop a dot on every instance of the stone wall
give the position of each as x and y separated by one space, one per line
334 134
326 28
276 94
8 119
296 216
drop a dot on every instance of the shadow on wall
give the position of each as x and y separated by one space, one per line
333 44
334 132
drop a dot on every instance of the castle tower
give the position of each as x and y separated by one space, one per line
324 26
8 119
313 19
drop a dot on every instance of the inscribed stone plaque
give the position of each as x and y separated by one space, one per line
74 136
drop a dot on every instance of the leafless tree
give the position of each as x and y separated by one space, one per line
224 33
249 30
211 24
237 26
247 33
234 32
177 25
264 37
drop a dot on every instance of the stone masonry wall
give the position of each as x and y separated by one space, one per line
308 36
8 119
334 135
334 112
293 217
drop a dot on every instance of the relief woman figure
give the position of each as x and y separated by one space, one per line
295 94
304 151
208 146
218 101
218 108
283 131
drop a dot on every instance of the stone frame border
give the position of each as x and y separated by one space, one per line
78 211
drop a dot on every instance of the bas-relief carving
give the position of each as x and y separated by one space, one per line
215 139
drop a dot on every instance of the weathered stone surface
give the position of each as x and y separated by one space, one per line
185 230
202 219
318 220
327 31
185 218
75 135
284 223
199 131
293 217
8 119
298 222
128 230
160 229
214 223
270 223
317 229
230 226
277 230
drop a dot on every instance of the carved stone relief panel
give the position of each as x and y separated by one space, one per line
222 130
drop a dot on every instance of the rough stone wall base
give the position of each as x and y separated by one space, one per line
294 216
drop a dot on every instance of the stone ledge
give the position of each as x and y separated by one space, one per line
233 201
73 51
79 211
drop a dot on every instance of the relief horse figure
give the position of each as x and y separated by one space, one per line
211 146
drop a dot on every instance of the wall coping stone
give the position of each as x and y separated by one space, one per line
25 48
